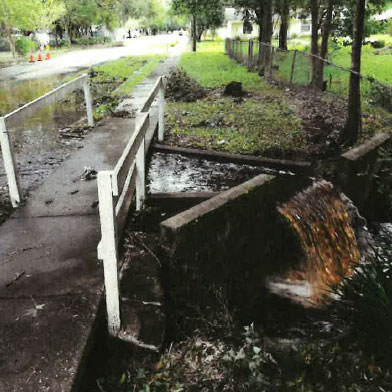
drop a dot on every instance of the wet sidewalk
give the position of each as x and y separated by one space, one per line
50 278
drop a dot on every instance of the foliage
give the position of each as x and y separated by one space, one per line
209 14
155 15
365 301
344 17
25 45
377 44
13 15
87 41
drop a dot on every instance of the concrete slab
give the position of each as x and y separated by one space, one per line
50 278
63 193
43 340
54 256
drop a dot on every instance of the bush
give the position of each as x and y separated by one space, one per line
366 301
61 43
378 44
380 95
4 45
25 45
88 41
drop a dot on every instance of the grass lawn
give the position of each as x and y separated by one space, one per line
263 124
121 77
130 70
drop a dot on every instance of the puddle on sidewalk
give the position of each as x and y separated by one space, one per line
177 173
37 142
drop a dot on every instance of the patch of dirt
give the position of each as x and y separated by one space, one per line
5 210
181 87
323 116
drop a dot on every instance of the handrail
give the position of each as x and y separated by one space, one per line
116 189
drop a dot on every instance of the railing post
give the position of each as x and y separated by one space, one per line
109 250
9 164
89 102
293 66
141 176
161 102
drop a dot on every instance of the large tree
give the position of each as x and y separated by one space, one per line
205 13
260 12
27 15
322 13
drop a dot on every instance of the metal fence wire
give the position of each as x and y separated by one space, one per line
295 67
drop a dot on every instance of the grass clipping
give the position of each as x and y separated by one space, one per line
181 87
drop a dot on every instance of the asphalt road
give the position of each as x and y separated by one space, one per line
85 58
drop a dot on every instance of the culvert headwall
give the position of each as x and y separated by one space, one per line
224 247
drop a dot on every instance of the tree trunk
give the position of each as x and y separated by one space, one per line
324 45
266 34
284 27
11 40
194 33
317 70
353 126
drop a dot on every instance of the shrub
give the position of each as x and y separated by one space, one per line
61 43
87 41
378 44
25 45
380 95
4 45
366 301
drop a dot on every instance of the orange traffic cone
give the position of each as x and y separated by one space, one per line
39 56
32 60
47 56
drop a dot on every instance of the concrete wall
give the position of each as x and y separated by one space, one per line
356 171
227 245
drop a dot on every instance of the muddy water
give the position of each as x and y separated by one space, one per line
177 173
37 143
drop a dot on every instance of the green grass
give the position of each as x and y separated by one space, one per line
253 127
262 124
123 75
212 68
138 76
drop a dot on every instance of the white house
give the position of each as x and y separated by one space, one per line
234 26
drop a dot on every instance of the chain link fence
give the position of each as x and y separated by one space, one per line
295 67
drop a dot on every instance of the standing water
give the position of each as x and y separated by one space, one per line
37 142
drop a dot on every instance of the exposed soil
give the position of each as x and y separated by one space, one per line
181 87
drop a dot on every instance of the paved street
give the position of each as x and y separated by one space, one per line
85 58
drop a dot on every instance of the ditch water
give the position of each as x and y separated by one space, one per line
172 173
37 143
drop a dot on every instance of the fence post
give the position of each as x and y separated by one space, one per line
141 176
161 100
89 102
250 54
260 57
293 66
109 250
9 164
271 64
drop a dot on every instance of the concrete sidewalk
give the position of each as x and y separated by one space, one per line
50 278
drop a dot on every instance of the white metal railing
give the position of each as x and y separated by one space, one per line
21 114
116 189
